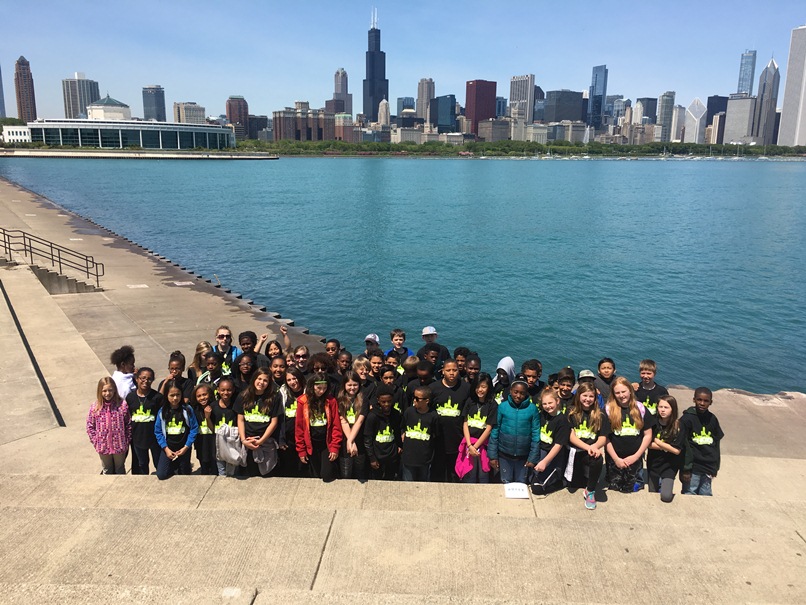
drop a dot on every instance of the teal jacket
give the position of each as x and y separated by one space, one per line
517 431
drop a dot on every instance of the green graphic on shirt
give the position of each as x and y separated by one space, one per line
418 432
223 422
658 436
477 421
628 428
174 427
255 415
703 438
583 431
449 409
351 416
203 428
499 397
385 436
318 420
652 408
291 410
546 436
141 415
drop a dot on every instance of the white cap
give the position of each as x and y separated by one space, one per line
429 330
373 337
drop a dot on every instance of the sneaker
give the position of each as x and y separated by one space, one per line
590 500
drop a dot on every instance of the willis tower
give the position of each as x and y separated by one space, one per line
376 86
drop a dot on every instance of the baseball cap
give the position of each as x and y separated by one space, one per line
373 337
586 375
429 330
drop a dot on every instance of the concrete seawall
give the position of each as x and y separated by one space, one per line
135 155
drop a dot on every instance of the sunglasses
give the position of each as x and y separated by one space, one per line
223 336
301 356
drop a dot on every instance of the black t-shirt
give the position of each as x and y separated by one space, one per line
352 414
175 427
661 462
626 437
144 412
222 416
419 432
448 402
255 421
317 424
650 397
703 436
444 354
382 434
205 440
583 429
554 430
478 415
412 386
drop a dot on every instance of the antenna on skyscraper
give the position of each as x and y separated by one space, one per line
374 20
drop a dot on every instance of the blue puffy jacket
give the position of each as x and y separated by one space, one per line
517 431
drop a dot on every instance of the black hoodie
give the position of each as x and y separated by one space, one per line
703 435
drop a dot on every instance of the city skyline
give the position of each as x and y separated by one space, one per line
272 72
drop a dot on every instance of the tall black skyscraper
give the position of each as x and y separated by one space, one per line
376 86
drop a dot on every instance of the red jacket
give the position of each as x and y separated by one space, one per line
302 427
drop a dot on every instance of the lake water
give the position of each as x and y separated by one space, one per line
700 265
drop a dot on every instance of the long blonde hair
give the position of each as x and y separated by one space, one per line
614 409
99 398
201 349
577 411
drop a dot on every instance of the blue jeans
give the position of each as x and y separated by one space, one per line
700 485
415 473
167 468
512 469
140 457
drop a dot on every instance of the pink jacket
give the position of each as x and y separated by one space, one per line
463 462
110 428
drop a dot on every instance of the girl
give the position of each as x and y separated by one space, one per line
353 410
301 356
176 366
631 435
243 370
176 429
144 404
332 348
123 360
478 420
318 429
664 458
197 367
202 401
504 375
589 430
222 414
259 409
109 427
515 439
554 434
363 368
273 349
290 392
344 362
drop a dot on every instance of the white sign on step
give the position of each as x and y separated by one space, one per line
136 286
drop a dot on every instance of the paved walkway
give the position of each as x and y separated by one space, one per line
72 536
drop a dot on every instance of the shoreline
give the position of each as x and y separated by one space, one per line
135 155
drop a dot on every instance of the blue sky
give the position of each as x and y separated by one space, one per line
274 53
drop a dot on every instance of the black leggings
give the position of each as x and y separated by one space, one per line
319 464
587 470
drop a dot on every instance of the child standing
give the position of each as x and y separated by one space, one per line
606 374
202 401
703 436
448 397
353 410
554 434
259 409
109 427
589 430
420 426
176 429
515 440
664 456
144 404
478 419
398 338
631 436
318 433
382 436
648 392
223 415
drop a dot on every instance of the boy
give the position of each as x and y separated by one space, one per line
448 397
419 428
472 368
532 369
703 436
607 373
649 392
398 338
425 376
460 355
565 387
430 337
382 436
376 361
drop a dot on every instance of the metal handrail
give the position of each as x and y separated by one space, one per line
31 246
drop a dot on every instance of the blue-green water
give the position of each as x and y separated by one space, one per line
698 265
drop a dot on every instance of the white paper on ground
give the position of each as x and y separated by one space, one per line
569 469
516 490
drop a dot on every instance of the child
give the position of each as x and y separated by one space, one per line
214 370
478 419
589 430
274 349
290 393
398 338
362 367
196 367
472 368
409 367
515 440
448 397
202 401
353 410
419 428
504 375
648 392
332 348
176 368
565 387
389 377
606 373
664 457
144 404
223 414
318 433
532 369
703 436
460 355
631 436
382 436
259 409
109 427
124 362
344 362
554 434
175 428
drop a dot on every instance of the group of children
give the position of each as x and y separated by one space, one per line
388 415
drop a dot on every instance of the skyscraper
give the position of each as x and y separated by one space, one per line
376 86
384 115
479 102
739 119
747 71
500 107
443 113
340 92
24 87
404 103
425 92
522 98
2 97
764 119
596 96
665 115
696 118
563 105
793 116
238 116
715 104
154 103
189 113
78 92
650 109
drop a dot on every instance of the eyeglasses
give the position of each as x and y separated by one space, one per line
223 336
420 398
